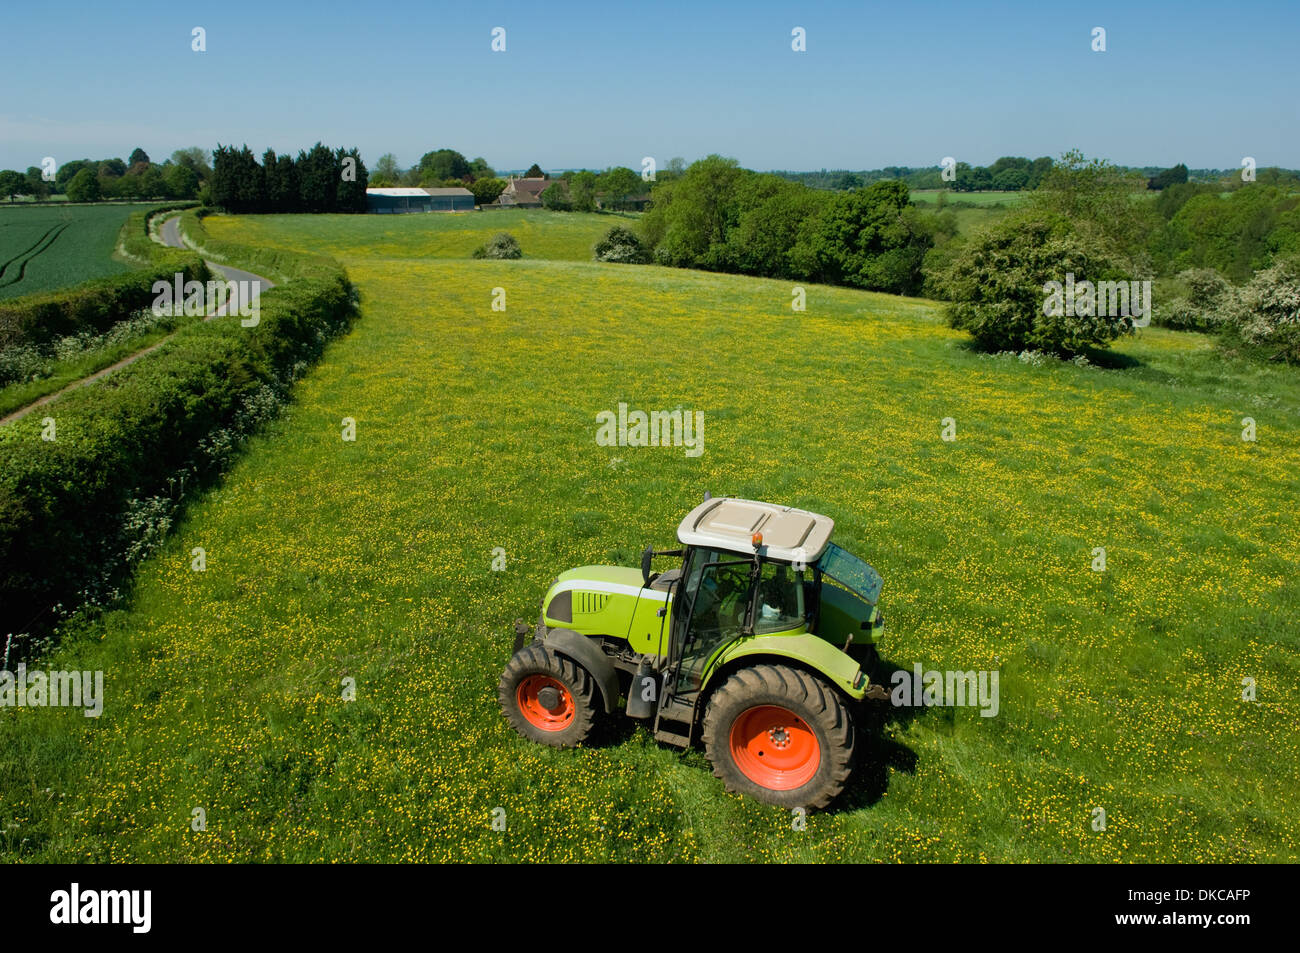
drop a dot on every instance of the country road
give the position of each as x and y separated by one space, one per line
171 237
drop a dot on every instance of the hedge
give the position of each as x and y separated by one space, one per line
64 503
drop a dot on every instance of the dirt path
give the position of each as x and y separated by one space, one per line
170 232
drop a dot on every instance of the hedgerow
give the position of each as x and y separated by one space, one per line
74 509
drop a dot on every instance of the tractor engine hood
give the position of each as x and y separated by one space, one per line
593 600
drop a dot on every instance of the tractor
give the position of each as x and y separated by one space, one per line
756 644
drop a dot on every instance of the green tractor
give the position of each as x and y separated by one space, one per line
757 644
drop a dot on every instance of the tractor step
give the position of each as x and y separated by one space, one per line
672 738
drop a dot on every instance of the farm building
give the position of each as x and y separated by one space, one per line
394 201
524 193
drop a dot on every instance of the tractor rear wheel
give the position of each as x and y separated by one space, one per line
548 698
781 736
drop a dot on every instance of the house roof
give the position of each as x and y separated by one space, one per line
730 524
399 193
444 192
532 186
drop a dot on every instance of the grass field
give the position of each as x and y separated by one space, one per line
931 197
561 236
44 248
475 429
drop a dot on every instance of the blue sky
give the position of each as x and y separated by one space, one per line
596 84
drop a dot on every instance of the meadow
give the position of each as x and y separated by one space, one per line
371 560
44 248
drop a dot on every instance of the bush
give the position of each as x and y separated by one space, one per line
1205 305
1266 313
621 245
503 245
997 287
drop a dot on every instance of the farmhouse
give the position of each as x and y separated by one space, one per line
524 193
396 201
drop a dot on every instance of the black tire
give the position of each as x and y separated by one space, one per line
743 701
535 665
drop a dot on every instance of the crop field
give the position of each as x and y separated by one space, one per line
44 248
371 560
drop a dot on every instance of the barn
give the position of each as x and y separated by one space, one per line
396 201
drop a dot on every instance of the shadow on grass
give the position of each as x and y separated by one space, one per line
877 752
1099 357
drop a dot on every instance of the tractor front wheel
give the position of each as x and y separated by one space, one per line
548 698
780 735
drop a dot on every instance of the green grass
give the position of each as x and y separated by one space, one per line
561 236
371 560
45 248
931 197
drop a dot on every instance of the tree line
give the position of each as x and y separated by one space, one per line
92 180
318 180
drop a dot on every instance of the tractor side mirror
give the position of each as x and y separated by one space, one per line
645 564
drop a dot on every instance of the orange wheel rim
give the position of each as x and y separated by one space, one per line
775 748
532 696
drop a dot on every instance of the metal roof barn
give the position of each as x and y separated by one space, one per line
396 201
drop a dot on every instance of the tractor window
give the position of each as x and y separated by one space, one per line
717 613
851 572
780 599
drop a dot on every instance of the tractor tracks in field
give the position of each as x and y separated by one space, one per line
25 256
169 235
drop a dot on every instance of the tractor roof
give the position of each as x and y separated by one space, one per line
730 524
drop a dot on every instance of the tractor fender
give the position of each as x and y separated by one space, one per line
582 650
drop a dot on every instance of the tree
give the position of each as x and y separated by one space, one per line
998 286
555 197
12 183
84 186
196 159
137 156
36 186
1175 176
317 178
479 169
535 172
582 191
352 181
1098 198
486 191
443 164
281 193
68 171
288 194
871 238
1010 180
618 185
180 181
386 168
690 217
